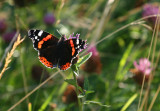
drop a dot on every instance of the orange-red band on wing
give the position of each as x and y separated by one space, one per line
72 45
45 62
43 40
66 66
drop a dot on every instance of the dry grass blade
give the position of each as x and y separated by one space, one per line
59 11
9 55
102 20
154 99
8 48
136 22
31 92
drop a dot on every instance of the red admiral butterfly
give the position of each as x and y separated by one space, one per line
55 52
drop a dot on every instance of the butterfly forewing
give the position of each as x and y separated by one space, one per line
42 39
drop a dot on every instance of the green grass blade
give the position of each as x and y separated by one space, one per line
29 107
120 75
45 104
96 103
129 102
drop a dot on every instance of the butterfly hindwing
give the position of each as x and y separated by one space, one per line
71 49
49 56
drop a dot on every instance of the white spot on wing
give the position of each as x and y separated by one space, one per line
36 37
77 47
77 41
40 33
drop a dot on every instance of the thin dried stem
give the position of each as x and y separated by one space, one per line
102 20
35 89
9 55
136 22
59 11
24 77
154 37
8 48
154 98
153 55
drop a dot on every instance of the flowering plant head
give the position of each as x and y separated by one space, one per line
69 95
142 69
144 66
150 9
3 25
8 36
93 64
94 51
49 19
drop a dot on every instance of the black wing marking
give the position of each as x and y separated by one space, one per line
49 56
70 50
45 38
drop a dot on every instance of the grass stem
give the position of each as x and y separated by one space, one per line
77 92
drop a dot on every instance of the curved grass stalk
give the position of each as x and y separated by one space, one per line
31 92
9 55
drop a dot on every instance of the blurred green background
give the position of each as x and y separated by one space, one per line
108 71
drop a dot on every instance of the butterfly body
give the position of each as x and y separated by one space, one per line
54 52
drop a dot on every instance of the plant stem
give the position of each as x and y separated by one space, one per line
77 92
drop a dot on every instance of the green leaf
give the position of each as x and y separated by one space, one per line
63 86
122 63
81 96
80 89
29 107
75 69
131 99
80 62
45 104
89 92
73 82
83 59
86 84
96 103
70 81
84 94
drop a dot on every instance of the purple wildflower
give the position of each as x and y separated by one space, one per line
8 36
150 9
142 69
69 95
94 51
93 64
3 25
49 19
144 66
